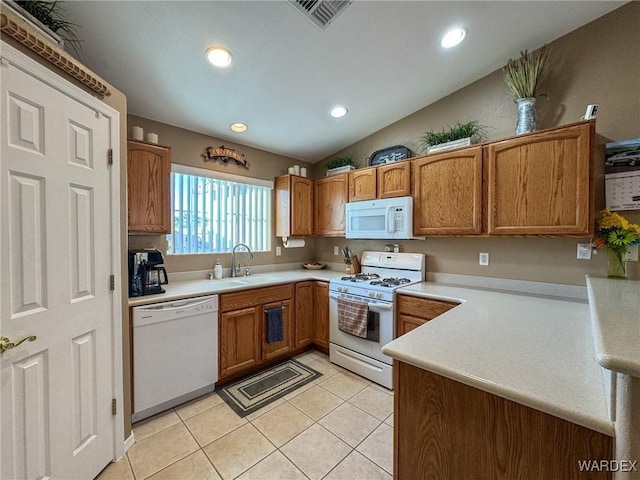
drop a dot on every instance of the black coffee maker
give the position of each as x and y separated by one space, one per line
146 273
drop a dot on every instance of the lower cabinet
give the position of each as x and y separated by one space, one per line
304 314
243 325
446 430
239 340
415 311
312 314
243 328
321 315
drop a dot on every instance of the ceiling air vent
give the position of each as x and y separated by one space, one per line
320 12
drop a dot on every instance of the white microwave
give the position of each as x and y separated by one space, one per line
388 218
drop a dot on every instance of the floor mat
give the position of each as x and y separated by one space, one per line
259 389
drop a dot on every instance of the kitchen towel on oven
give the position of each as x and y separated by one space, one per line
353 317
275 330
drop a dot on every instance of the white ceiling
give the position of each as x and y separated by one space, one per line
381 59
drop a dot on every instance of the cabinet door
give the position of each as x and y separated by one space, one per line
321 310
276 349
148 188
331 196
394 180
239 340
541 184
304 319
406 323
301 206
362 184
448 193
294 206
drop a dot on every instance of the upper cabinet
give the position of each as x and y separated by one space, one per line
148 188
330 199
294 206
363 184
541 184
386 181
394 180
448 193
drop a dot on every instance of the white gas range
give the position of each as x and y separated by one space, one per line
382 274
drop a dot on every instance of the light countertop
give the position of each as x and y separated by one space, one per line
537 351
197 288
615 317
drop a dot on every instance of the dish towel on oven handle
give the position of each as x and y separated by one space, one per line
275 330
353 317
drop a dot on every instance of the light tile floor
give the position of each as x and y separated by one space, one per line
338 427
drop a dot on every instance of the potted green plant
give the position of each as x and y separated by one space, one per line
523 77
341 164
47 16
456 136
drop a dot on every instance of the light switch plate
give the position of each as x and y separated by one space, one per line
632 254
483 259
584 251
336 250
278 251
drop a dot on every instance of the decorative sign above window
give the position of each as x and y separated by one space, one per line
389 155
224 154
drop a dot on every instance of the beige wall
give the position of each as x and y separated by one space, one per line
597 63
186 148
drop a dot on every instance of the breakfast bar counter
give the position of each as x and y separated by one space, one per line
536 351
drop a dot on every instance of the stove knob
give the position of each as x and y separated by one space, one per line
372 294
379 295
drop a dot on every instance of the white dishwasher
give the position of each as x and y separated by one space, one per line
175 353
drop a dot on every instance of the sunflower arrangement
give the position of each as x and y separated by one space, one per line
617 234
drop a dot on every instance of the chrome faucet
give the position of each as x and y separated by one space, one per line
233 258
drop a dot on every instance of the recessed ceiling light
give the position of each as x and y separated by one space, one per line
453 37
219 57
238 127
338 112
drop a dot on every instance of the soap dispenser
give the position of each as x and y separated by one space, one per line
217 270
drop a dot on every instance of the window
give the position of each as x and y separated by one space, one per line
213 211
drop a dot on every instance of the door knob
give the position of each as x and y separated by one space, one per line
6 344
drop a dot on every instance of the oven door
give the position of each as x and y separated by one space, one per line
381 314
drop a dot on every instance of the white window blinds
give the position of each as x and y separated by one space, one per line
211 215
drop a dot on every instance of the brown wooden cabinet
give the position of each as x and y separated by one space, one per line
321 315
330 198
394 180
148 188
242 328
304 314
239 340
385 181
541 184
446 430
363 184
415 311
448 193
294 206
278 349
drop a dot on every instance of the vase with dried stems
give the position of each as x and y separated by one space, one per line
523 77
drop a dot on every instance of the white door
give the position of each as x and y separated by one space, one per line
55 262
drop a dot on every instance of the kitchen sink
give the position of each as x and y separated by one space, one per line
252 280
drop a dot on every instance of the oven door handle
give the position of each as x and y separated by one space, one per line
372 306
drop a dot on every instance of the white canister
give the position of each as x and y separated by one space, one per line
296 169
152 137
291 171
217 270
303 172
137 133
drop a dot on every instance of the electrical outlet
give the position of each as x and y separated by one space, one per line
584 251
483 259
336 250
278 251
632 254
